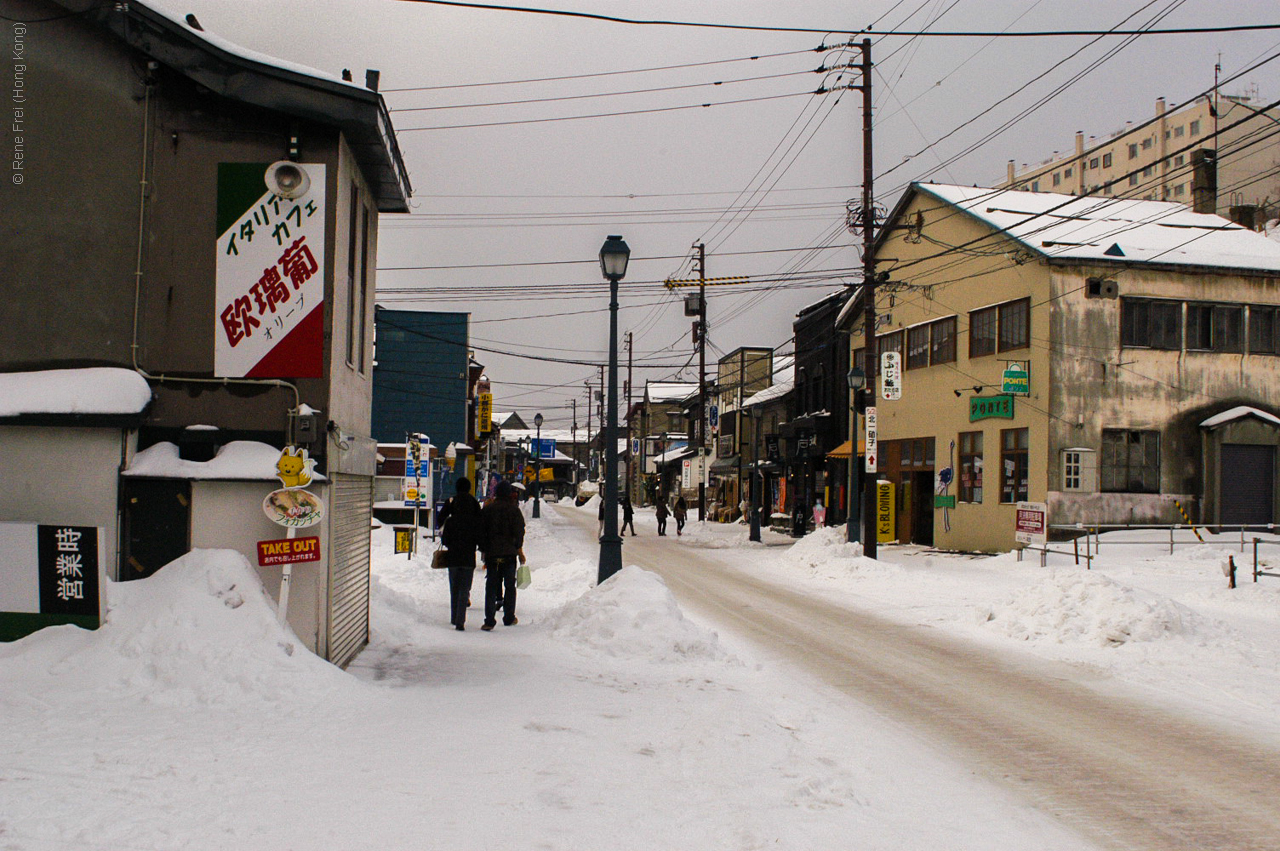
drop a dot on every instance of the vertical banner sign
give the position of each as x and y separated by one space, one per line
484 414
269 292
885 513
891 376
68 559
873 444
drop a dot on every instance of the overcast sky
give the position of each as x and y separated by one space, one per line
509 218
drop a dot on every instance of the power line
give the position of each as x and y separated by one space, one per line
869 31
590 262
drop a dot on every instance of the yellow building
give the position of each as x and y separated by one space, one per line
1159 160
1105 356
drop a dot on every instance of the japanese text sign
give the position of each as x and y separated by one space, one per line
288 550
54 577
269 292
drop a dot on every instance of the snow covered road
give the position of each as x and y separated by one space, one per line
1129 775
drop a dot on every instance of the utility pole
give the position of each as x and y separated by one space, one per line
702 382
630 460
872 361
575 441
589 400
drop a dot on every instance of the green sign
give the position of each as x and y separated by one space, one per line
990 407
1016 380
940 501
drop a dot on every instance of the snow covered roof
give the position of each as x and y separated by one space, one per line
95 390
784 371
1113 229
673 454
564 435
246 460
247 76
1238 413
669 391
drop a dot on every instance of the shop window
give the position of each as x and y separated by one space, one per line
1130 461
1014 446
970 466
1151 323
1079 470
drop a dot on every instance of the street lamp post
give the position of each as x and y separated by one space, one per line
537 468
857 380
757 482
614 255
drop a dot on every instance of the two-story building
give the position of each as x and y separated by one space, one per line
203 218
1115 359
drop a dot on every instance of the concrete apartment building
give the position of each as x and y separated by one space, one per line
1111 358
1162 159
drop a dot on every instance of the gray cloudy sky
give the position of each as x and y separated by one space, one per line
510 217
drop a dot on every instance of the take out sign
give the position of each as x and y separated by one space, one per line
288 551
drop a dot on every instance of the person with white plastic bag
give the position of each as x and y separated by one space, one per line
502 533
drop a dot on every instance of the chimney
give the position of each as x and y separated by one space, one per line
371 78
1012 173
1204 181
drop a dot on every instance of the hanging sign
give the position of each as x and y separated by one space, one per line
484 414
891 376
873 444
268 312
293 508
1016 380
990 407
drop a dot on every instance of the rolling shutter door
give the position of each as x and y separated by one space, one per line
352 512
1248 473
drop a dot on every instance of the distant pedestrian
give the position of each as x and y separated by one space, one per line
662 512
628 516
460 536
819 515
502 530
681 513
600 513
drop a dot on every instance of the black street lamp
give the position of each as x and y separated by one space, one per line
857 380
757 414
614 255
537 468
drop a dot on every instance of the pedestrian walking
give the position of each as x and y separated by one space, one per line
502 536
628 516
600 514
662 512
819 516
681 513
460 535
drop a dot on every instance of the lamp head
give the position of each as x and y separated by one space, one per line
857 378
537 420
614 255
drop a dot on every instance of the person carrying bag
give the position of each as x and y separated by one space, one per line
461 535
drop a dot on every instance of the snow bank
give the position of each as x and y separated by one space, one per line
200 632
633 615
1087 608
95 390
825 552
709 536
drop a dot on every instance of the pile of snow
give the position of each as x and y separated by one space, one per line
713 536
592 504
826 552
95 390
1087 608
633 615
200 632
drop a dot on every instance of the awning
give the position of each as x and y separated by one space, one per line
845 449
725 464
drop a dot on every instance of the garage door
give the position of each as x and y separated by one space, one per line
1248 484
352 515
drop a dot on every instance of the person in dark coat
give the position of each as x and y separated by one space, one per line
661 512
460 536
502 537
628 516
681 512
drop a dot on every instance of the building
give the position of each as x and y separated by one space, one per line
739 374
420 379
659 423
1175 156
769 409
205 219
1114 359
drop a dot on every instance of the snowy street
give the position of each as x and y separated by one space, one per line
924 701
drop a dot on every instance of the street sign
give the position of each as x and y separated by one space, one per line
891 375
873 446
544 447
635 446
1030 523
714 416
1016 380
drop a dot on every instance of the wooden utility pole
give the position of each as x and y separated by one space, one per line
630 460
702 382
589 401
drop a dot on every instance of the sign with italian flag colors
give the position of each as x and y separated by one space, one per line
269 309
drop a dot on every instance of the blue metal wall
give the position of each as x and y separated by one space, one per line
420 377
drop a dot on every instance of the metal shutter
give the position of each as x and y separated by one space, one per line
1247 484
352 514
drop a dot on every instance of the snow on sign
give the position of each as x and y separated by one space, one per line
269 303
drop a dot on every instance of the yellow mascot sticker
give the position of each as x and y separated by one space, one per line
294 467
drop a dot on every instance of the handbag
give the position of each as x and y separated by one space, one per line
522 576
437 558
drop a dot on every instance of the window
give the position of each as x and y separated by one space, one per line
890 343
917 346
1262 331
982 332
1133 151
1071 471
1057 178
942 341
1147 143
1106 160
1215 328
1035 186
1015 325
1146 172
1066 172
1194 127
1180 189
1177 131
1179 160
353 275
1079 470
1014 444
1133 180
1093 163
971 466
1130 461
1151 323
